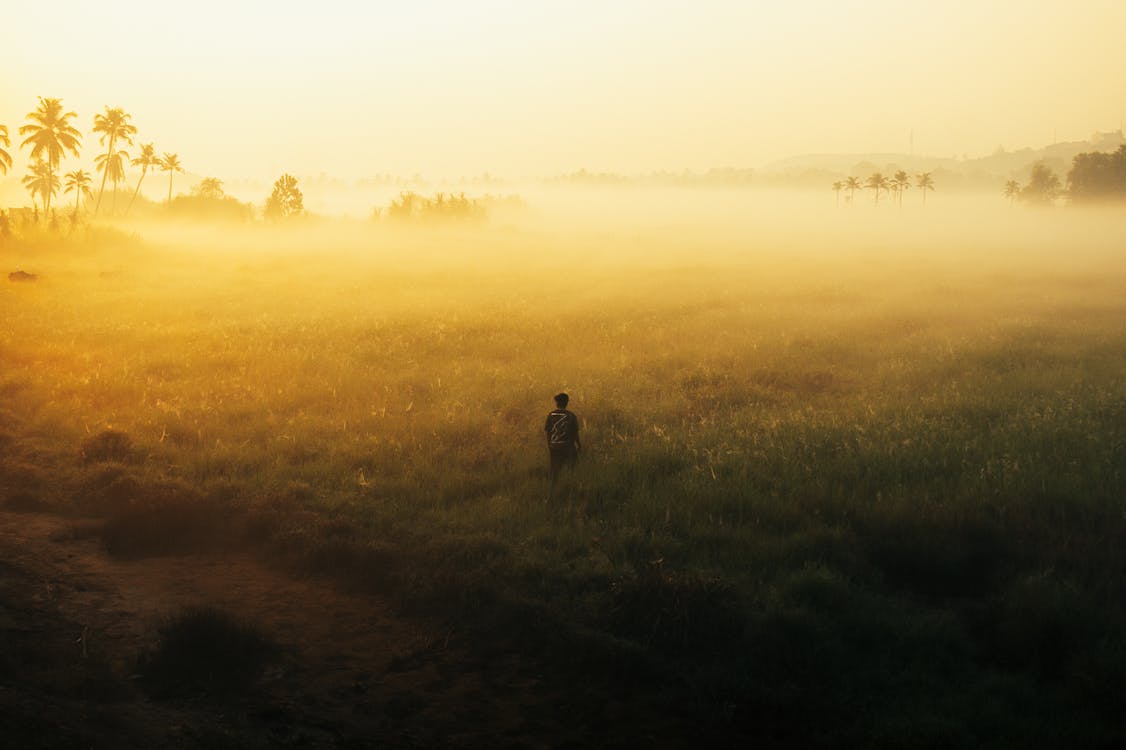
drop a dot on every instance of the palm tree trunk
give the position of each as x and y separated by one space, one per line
47 192
105 174
170 173
130 206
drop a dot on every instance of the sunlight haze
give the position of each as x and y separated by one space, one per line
248 89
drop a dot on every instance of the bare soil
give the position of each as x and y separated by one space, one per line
352 672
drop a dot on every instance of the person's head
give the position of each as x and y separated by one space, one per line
561 400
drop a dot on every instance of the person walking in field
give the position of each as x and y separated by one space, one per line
562 429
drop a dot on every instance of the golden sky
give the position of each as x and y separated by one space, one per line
448 88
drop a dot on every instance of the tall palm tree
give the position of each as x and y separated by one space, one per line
41 181
837 186
78 182
902 182
5 157
114 125
852 184
170 163
50 133
1012 190
877 182
113 167
147 158
924 182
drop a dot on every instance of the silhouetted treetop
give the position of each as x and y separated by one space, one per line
1098 176
1043 185
286 199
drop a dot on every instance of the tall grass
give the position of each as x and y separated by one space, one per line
874 498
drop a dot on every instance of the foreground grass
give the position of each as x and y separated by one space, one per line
874 499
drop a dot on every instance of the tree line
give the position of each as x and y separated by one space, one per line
1094 177
894 186
50 135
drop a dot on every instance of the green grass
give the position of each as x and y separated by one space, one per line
822 504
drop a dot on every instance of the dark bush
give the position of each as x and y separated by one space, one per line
942 557
108 445
206 652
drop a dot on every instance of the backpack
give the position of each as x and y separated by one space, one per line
562 429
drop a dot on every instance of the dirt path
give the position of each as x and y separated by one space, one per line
353 674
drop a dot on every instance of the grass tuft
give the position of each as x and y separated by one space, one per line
108 445
206 652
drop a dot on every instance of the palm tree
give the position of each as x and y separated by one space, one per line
41 181
148 158
837 190
852 184
78 182
1012 190
111 165
901 182
170 163
877 182
50 133
5 157
210 188
114 125
924 182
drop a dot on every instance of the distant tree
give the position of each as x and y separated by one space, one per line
146 160
286 200
170 163
1098 176
1043 185
114 126
877 182
207 202
1012 190
78 182
901 181
5 157
924 182
837 187
209 187
852 184
41 181
404 206
50 134
111 164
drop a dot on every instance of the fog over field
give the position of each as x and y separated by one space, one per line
675 374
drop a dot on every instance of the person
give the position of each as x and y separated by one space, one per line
562 429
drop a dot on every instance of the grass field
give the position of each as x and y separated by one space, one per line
848 480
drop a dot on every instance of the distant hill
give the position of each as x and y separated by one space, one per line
984 172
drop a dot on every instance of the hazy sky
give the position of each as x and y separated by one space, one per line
445 88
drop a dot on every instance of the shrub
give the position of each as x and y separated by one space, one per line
108 445
206 652
936 556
